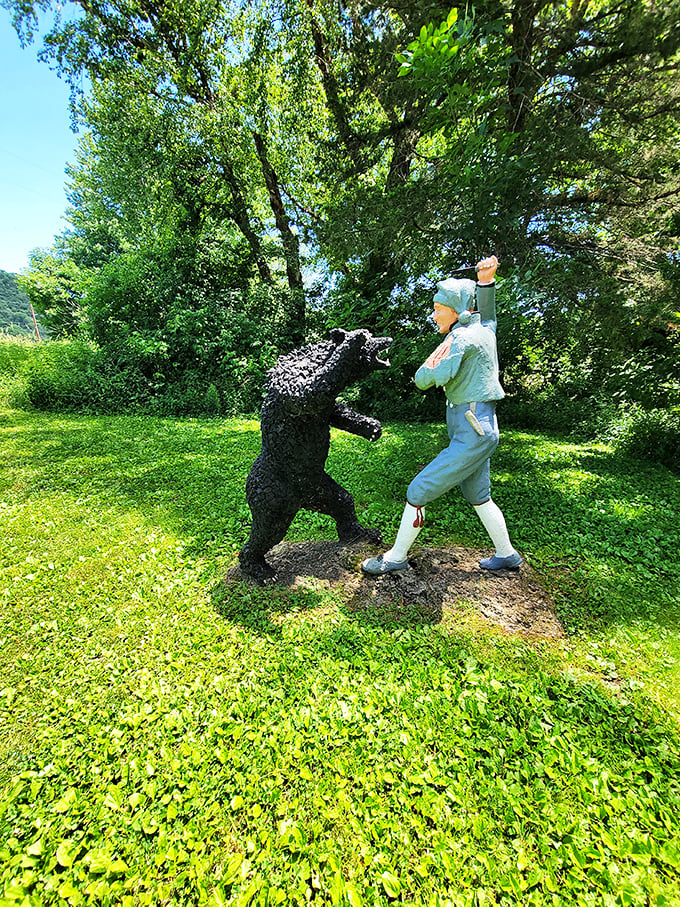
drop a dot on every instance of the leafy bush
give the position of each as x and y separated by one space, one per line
651 379
61 375
198 346
14 352
69 375
652 435
554 411
238 390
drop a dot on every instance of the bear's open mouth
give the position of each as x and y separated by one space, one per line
381 347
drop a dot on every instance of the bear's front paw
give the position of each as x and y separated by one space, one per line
374 429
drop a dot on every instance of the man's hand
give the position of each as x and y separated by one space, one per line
486 269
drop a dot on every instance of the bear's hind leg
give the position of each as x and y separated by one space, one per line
332 499
269 528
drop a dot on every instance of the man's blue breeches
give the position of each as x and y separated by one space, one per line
464 462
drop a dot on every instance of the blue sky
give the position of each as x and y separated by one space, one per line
36 143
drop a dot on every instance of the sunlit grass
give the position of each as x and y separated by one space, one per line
168 738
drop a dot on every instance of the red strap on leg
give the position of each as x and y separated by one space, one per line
420 518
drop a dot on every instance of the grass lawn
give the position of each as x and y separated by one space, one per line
166 739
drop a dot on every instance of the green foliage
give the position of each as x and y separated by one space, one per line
62 375
399 399
54 284
172 146
554 411
171 738
651 377
168 288
534 157
440 53
651 435
78 375
158 315
14 352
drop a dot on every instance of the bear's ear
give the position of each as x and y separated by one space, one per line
338 335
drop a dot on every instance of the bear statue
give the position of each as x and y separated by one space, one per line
299 409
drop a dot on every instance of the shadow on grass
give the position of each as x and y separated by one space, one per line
321 576
261 610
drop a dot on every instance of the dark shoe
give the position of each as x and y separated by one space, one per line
376 566
511 562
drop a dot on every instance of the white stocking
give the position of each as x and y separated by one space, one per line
411 524
494 522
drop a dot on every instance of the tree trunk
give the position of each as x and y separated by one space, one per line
520 77
323 60
241 218
289 240
404 146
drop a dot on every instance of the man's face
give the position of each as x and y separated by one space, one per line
443 316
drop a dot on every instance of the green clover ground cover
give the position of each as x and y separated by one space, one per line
171 739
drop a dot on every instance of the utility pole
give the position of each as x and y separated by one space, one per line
35 323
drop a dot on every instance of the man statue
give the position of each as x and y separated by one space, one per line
465 365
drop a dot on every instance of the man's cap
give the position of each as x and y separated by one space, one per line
457 294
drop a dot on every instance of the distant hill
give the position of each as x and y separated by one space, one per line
15 309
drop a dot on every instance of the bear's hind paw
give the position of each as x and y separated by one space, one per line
359 533
260 572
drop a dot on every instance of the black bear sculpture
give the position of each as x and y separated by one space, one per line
299 409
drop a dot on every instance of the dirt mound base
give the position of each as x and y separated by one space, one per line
437 582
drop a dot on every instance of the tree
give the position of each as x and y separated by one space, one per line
577 104
566 118
181 55
545 131
54 285
361 193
